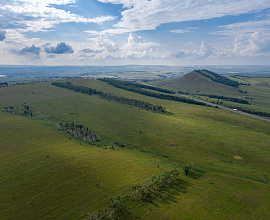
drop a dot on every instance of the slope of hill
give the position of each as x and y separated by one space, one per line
229 152
238 92
195 82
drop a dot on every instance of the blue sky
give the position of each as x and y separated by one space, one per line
122 32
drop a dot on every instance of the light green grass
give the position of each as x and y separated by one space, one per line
35 185
208 137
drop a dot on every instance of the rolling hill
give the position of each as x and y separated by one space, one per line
197 82
49 174
238 92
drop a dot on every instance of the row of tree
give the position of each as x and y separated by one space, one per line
218 78
120 85
241 101
118 207
251 111
79 132
116 83
112 97
155 183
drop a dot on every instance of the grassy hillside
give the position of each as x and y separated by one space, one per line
45 175
194 82
254 91
229 150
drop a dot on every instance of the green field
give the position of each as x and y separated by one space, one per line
229 150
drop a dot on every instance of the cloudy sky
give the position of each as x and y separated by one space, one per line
121 32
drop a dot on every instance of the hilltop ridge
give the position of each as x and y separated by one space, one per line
201 81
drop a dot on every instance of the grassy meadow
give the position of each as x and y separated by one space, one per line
231 152
45 175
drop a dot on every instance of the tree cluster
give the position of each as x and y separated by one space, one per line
112 97
4 84
16 110
120 85
79 132
188 169
218 78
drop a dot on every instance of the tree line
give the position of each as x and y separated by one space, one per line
250 111
155 183
118 206
112 97
218 78
241 101
136 85
129 87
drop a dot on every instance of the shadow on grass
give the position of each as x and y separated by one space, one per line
197 173
136 208
169 193
166 195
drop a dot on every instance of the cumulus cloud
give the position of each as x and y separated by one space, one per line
30 50
205 51
2 35
250 38
135 47
147 15
61 48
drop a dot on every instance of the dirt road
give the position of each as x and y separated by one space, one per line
229 109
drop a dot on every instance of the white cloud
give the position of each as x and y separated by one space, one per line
245 27
40 15
103 48
205 51
180 31
253 44
126 3
250 38
136 47
147 15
